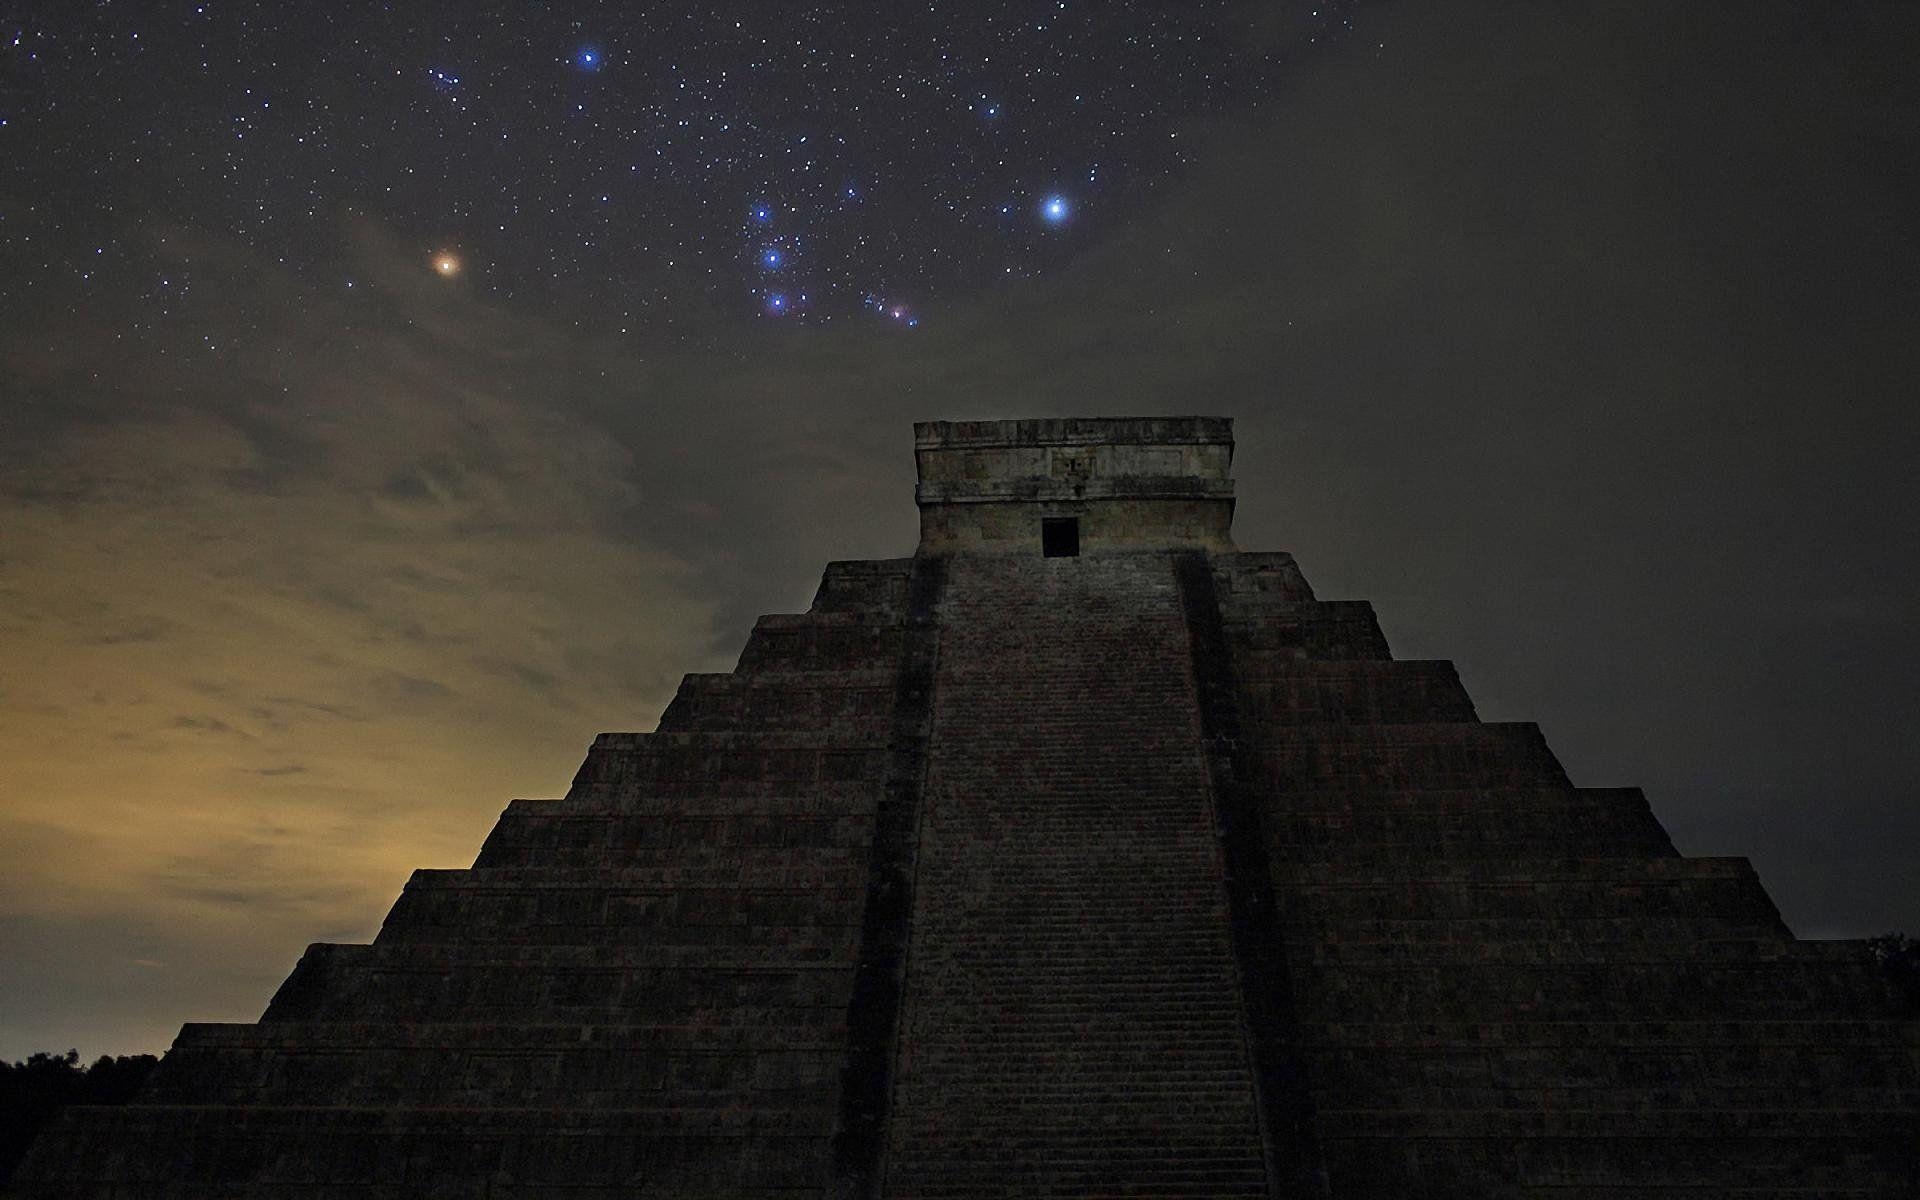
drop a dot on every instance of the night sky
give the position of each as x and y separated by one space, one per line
392 396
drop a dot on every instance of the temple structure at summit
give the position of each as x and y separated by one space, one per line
1079 854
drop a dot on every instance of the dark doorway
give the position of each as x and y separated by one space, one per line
1060 537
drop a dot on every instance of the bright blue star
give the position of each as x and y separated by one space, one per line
589 58
771 258
1055 209
777 303
761 213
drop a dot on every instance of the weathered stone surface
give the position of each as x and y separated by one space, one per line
1138 872
1073 1023
1138 483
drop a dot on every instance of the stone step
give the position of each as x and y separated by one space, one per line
1074 1037
1203 1110
1036 1173
660 940
768 953
632 764
1316 629
811 872
1759 1035
1040 1180
752 1032
1416 1093
1493 930
1677 1126
1413 825
854 705
1177 1065
787 802
1038 995
1123 1156
1035 1167
1728 950
1655 1191
568 984
1671 1155
868 586
1644 1078
1447 755
482 1066
1656 1073
1249 580
1169 1048
823 641
1293 692
1317 898
600 842
728 904
331 1153
1687 991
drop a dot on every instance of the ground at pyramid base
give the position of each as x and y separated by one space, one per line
1080 854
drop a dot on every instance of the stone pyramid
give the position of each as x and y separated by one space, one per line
1080 854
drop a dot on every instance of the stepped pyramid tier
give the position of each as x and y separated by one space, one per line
1080 854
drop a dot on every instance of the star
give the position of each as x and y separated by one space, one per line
447 264
771 258
705 127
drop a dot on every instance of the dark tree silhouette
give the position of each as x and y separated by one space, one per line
32 1092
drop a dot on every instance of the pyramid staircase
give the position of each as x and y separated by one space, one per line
1141 872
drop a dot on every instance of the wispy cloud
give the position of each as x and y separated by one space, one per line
321 589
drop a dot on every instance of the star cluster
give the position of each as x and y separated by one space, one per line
643 164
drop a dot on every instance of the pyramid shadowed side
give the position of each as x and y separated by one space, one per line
644 983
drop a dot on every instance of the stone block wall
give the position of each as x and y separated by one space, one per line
1131 484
